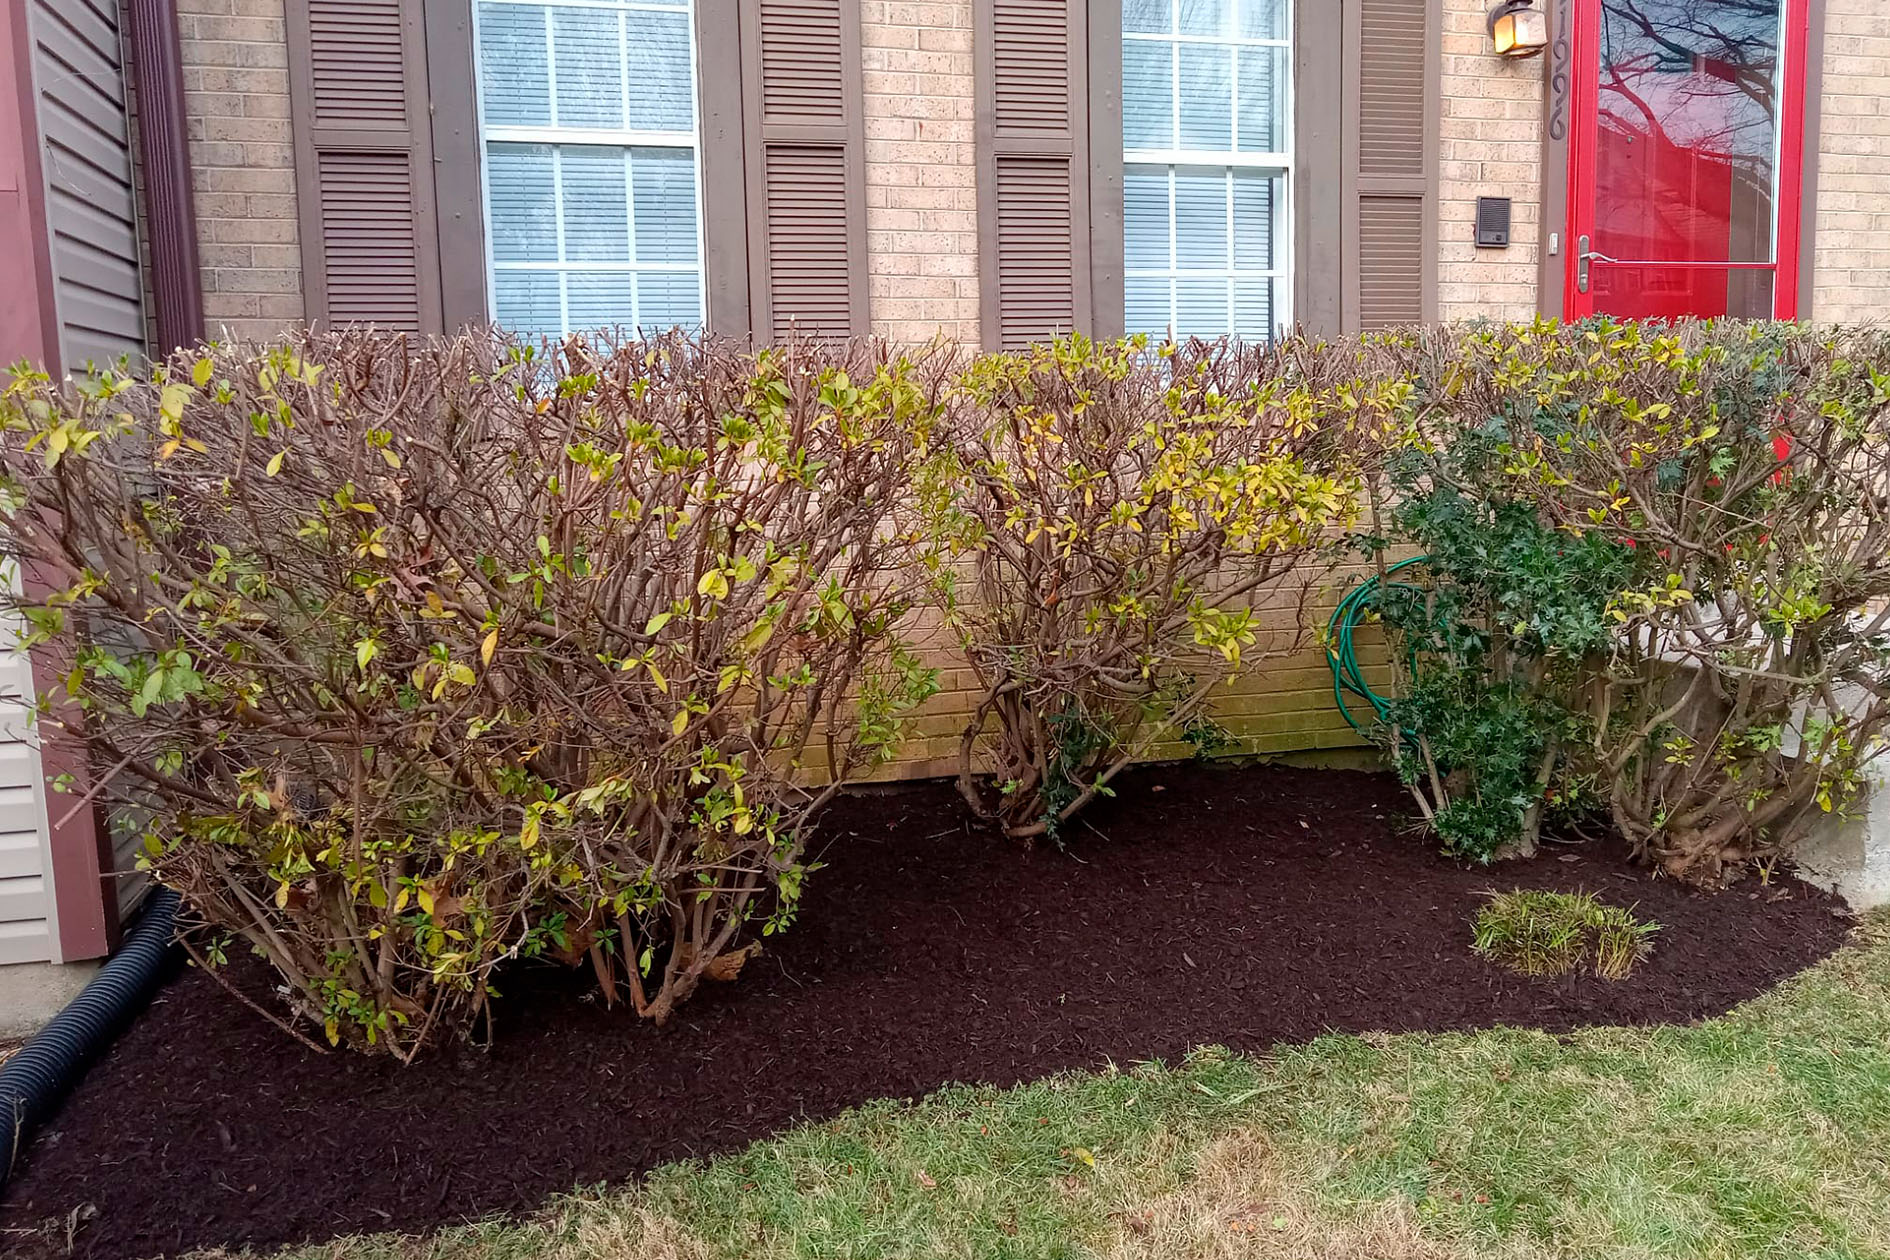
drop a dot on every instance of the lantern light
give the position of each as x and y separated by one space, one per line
1518 29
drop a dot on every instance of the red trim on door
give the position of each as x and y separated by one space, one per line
1584 89
1791 158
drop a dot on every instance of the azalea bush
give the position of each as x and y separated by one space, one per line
1106 518
421 658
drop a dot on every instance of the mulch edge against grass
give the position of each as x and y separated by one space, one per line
1148 1200
1250 907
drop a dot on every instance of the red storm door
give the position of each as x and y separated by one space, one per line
1686 157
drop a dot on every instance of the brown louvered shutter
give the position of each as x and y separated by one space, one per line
1392 209
1033 169
806 167
364 163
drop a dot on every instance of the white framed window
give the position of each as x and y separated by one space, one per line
588 118
1207 167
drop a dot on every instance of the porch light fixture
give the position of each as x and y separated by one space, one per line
1518 29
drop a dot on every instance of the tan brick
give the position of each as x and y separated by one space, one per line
1490 145
921 213
236 102
1851 252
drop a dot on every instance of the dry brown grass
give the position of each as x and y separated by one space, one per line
1242 1203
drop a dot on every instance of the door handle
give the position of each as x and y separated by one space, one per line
1584 256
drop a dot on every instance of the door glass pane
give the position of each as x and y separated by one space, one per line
1687 132
1651 291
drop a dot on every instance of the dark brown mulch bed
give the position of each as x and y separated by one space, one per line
1240 907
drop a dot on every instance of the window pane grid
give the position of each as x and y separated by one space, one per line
592 183
1207 166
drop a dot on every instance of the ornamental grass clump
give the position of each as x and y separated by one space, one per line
418 658
1105 519
1542 933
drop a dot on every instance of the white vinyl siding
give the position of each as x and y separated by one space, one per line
26 895
1206 126
593 213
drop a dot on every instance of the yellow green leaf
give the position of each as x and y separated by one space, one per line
679 723
171 401
275 463
488 646
714 584
200 372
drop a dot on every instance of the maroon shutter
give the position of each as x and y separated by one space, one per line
1033 169
364 163
805 139
1392 200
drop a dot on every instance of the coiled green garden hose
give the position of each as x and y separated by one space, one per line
1348 678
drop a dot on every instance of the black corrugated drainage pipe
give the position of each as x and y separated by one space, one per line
33 1081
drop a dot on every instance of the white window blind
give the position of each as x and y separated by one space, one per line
592 207
1207 156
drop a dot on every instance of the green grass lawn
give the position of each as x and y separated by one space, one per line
1766 1133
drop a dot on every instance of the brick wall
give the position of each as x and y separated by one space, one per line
236 97
1489 145
921 188
1852 262
1281 703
